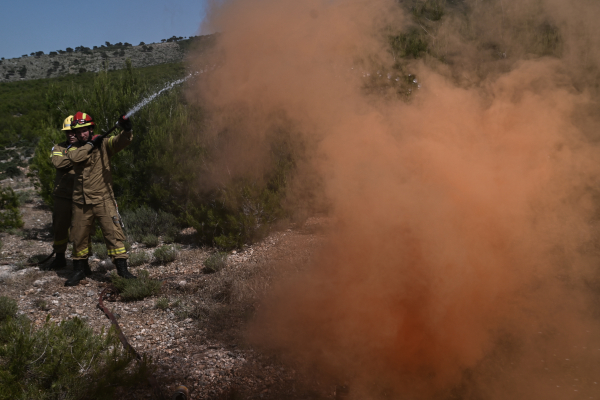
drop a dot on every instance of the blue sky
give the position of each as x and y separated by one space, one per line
27 26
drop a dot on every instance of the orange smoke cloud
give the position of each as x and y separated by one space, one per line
465 217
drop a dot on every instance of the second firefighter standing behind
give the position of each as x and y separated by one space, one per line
63 194
93 197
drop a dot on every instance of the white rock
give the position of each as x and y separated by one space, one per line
7 268
26 271
39 283
106 264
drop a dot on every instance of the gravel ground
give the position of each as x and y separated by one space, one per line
199 340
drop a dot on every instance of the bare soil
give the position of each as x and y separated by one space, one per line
199 340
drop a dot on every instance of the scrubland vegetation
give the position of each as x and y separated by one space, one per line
162 168
65 360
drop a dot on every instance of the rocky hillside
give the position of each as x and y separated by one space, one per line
83 59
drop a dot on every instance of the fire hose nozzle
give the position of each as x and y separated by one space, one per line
115 126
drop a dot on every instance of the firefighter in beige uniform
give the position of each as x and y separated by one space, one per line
63 194
93 197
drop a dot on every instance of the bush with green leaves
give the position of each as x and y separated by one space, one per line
36 258
10 216
150 240
99 249
64 361
12 170
144 225
41 304
41 165
138 258
215 262
136 289
162 303
25 196
97 236
8 308
166 253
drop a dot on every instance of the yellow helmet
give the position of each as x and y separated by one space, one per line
67 123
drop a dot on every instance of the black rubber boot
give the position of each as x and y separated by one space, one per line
79 267
59 262
86 268
121 264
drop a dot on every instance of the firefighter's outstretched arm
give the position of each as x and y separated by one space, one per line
123 139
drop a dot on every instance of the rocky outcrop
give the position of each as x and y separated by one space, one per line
52 65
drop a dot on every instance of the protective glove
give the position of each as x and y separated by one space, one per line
97 141
125 123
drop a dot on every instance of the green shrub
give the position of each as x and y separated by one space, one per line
13 171
215 262
162 303
36 258
8 308
165 254
138 258
150 240
64 361
25 196
144 224
10 216
136 289
21 264
41 165
98 237
411 44
99 249
17 232
41 304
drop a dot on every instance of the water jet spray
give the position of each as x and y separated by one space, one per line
147 100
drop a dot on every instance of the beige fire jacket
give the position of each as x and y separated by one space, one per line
65 175
93 180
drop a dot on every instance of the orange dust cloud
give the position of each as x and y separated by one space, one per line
463 259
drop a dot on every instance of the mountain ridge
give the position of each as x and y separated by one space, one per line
82 59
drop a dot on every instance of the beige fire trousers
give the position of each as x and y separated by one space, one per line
83 223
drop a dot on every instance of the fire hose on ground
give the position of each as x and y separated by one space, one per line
181 392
